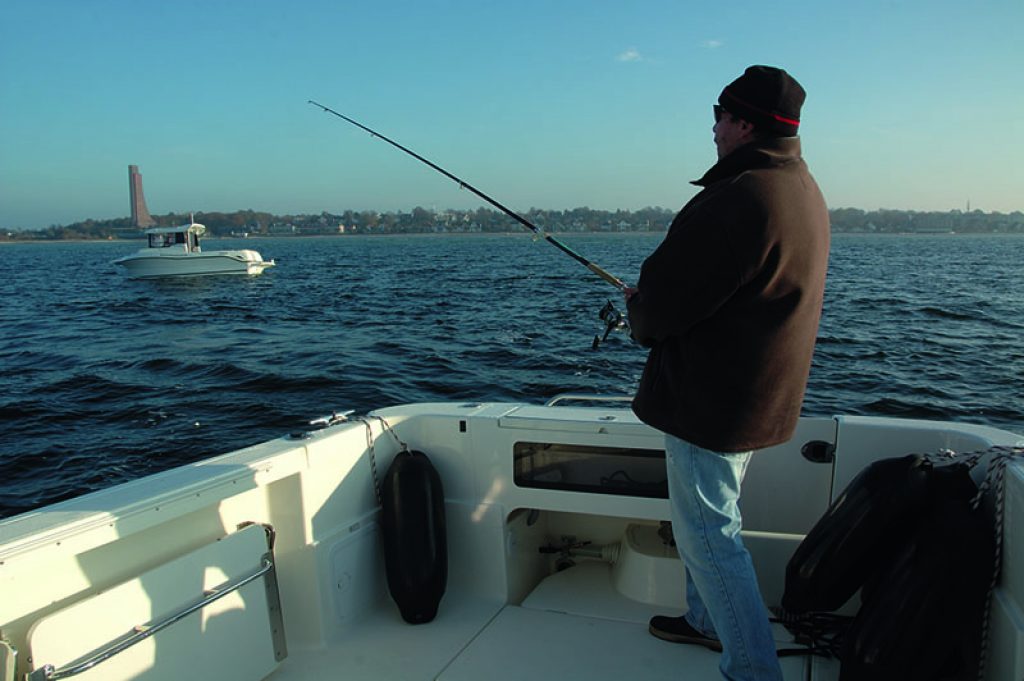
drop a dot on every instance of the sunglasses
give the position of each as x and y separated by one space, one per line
719 111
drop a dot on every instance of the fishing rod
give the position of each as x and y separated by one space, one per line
610 278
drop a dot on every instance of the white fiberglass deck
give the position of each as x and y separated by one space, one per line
473 641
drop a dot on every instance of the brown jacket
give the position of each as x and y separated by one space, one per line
729 302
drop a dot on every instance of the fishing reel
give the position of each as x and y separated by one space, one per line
614 321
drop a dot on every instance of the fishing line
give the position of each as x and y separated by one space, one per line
596 269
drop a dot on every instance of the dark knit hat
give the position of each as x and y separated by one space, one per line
767 97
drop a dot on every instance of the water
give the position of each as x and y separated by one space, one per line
105 379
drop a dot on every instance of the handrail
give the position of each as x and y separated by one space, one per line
48 673
579 397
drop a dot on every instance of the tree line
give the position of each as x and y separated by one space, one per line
484 220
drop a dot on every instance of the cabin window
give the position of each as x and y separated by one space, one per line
161 240
586 468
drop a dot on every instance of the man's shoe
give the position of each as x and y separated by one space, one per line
678 630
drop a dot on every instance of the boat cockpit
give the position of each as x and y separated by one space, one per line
270 562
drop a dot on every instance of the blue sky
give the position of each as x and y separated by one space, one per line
914 105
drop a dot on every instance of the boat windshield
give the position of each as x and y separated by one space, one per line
166 240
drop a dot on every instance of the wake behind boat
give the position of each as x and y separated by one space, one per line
540 536
175 252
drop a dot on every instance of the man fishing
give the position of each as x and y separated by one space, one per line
729 305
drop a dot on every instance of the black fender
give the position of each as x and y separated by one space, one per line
414 536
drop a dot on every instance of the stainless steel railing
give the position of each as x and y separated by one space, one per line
48 672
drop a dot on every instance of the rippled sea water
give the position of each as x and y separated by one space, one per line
105 379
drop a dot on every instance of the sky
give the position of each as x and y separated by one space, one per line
911 105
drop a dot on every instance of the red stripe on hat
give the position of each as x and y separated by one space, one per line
791 121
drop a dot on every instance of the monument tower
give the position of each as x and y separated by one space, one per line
140 214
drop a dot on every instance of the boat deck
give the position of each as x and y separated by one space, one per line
472 640
179 562
517 644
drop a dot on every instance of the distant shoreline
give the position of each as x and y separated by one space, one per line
512 233
580 220
256 237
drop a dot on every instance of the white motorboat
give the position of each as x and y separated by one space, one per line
175 252
267 562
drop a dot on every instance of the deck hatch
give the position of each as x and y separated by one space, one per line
603 421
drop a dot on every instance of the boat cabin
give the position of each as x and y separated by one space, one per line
183 238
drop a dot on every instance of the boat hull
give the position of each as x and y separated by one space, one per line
144 265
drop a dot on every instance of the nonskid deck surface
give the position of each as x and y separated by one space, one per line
471 640
521 644
517 644
383 647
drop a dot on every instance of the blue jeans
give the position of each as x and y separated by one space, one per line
721 587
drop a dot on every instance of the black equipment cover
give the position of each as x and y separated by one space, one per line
921 615
874 515
907 534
